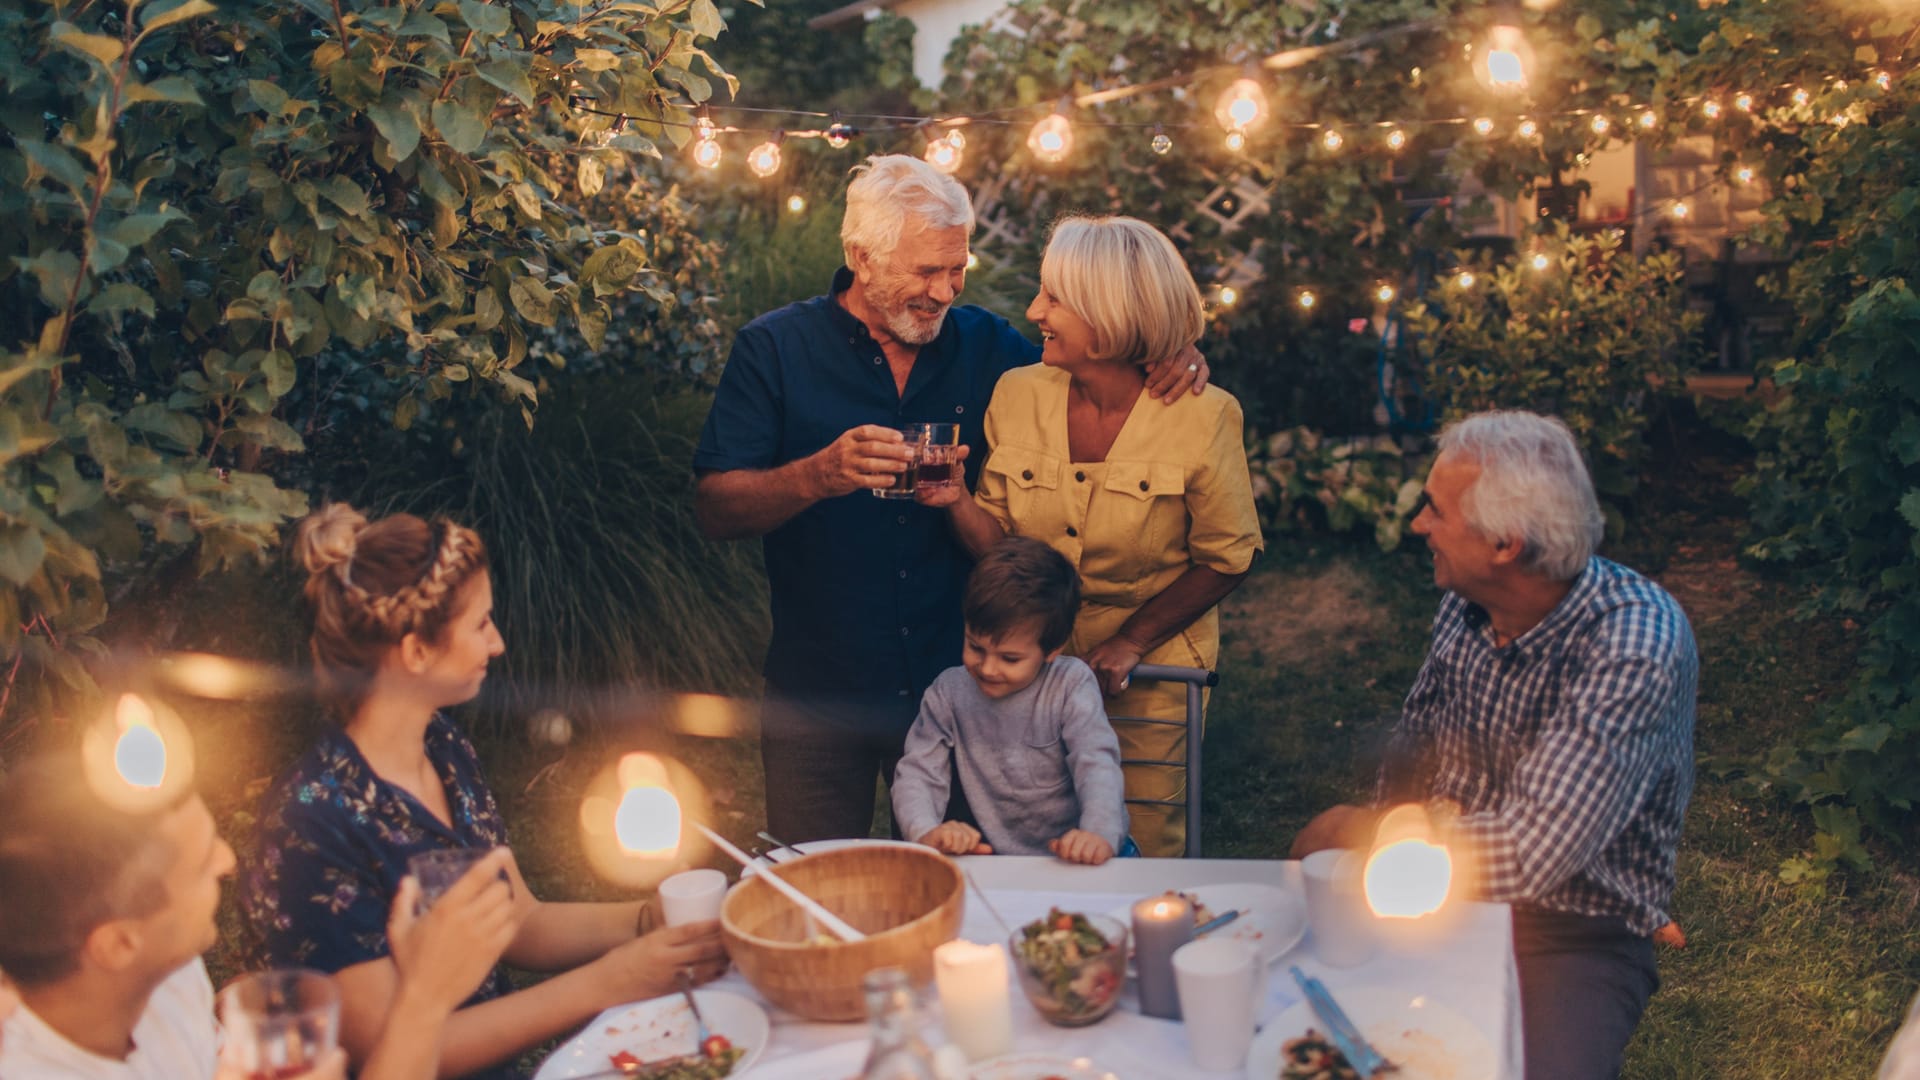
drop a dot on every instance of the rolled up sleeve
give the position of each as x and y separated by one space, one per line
1225 531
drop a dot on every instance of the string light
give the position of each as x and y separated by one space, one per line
1710 108
1332 140
1801 97
1504 61
1229 295
1385 293
973 261
1743 102
839 135
1161 144
1396 139
1528 129
605 138
1744 174
1883 80
1465 279
1236 141
958 141
1648 120
1306 299
796 203
1681 211
706 153
1483 125
943 155
1540 260
1051 139
1242 105
764 160
1600 124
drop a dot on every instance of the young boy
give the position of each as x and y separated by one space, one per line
1023 729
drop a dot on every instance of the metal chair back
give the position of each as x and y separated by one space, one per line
1196 679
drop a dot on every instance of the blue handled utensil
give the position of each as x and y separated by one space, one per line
1354 1046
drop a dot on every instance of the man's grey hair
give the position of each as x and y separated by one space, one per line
886 191
1533 487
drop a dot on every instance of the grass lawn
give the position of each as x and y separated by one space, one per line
1322 642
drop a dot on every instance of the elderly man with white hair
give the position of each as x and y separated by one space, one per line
865 592
1551 730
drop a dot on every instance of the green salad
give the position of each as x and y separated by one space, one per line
1068 956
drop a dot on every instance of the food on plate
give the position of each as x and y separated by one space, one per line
1075 971
715 1060
1202 914
1312 1057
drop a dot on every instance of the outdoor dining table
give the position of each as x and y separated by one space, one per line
1470 968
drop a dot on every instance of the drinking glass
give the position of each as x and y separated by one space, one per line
279 1023
692 896
935 463
437 870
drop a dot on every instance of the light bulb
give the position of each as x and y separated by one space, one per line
1504 61
1710 109
1528 129
1743 102
1601 125
1229 295
1333 140
764 159
1648 119
1242 106
973 261
957 140
706 154
1744 174
1465 280
1483 125
1540 260
1307 299
1396 139
1161 144
1883 80
839 135
1801 97
1385 293
796 203
943 155
1051 139
1681 211
1236 141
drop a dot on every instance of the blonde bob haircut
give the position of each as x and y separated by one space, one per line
1128 282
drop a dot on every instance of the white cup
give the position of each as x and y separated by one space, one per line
1221 982
692 896
1343 925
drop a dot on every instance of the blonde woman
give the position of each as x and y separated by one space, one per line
403 628
1153 505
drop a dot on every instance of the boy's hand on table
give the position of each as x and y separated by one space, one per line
1081 846
956 838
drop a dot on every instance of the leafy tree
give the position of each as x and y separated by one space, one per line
204 208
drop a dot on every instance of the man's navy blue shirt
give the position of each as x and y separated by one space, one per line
866 591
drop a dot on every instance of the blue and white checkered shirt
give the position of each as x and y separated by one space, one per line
1569 751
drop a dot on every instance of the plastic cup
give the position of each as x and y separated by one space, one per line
279 1023
692 896
1220 983
1343 926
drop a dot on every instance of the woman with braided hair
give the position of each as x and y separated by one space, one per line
403 628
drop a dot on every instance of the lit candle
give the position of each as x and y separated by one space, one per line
1161 924
972 980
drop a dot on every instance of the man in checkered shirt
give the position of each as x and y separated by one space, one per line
1551 728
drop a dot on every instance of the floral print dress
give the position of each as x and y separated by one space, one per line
333 843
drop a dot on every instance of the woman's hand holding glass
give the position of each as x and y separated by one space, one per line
444 954
942 496
650 966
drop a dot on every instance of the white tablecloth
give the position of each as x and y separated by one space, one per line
1471 970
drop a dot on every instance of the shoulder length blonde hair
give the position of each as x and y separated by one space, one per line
1126 279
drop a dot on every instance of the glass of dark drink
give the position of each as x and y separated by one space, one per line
279 1023
936 460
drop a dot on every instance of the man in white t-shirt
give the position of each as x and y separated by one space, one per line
106 914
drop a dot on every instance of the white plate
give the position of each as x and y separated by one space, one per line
841 1061
1426 1039
657 1029
1274 922
1032 1066
814 847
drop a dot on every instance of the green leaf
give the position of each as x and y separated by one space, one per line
485 18
98 47
267 96
462 121
1910 507
706 19
487 311
397 124
172 89
510 76
1868 738
55 271
592 176
279 369
597 59
424 24
178 14
22 550
119 298
532 300
136 229
528 199
181 431
404 412
344 194
270 432
57 163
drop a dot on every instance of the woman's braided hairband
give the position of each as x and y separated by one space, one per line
400 612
